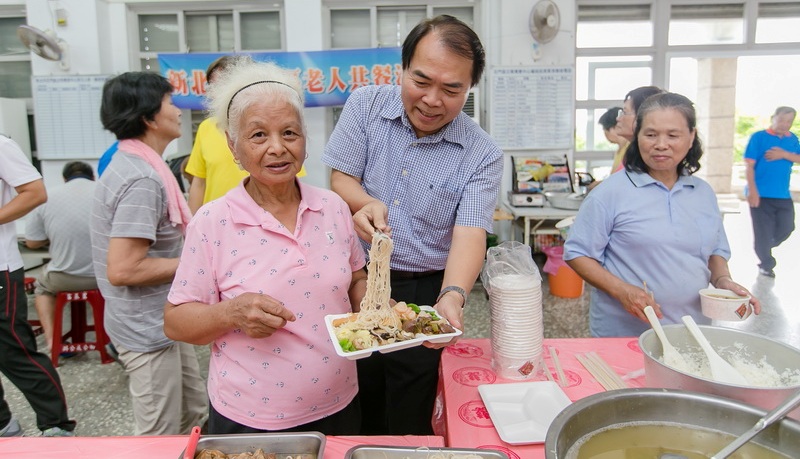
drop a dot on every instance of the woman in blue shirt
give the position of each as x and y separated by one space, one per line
654 223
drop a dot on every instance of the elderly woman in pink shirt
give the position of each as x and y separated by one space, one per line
263 265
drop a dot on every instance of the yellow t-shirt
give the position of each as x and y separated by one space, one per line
212 160
617 164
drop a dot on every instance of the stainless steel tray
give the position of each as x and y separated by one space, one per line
286 444
397 452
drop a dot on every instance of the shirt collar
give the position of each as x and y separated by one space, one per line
641 179
454 132
245 211
771 132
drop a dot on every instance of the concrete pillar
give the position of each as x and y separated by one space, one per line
716 110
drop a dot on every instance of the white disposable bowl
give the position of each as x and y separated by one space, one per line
722 304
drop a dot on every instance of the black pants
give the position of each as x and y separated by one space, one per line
345 422
398 389
773 222
31 371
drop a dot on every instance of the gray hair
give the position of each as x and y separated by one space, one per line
244 82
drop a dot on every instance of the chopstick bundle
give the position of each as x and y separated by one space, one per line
562 379
601 371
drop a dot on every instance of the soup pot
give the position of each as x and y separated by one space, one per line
668 406
782 357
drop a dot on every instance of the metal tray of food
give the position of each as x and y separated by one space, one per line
398 452
294 445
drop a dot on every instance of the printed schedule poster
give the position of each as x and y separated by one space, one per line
68 117
532 107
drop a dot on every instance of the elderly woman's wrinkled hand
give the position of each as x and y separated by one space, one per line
634 299
371 217
259 315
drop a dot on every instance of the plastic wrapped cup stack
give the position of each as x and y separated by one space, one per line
517 329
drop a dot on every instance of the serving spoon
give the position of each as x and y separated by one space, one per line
775 415
721 370
671 356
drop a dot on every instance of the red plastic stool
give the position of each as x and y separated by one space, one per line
30 286
77 334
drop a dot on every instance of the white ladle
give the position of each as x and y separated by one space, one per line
721 370
671 356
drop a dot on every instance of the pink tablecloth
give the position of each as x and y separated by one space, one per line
464 420
165 447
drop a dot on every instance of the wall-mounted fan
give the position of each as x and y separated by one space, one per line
544 21
44 44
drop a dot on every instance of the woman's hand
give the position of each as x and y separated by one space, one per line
258 315
634 299
727 283
371 217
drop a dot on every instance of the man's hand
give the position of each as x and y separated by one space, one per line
753 198
776 153
451 307
371 217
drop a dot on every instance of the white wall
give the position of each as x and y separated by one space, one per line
98 31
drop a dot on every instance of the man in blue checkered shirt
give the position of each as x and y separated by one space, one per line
411 164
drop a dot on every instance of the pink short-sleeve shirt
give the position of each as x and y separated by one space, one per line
233 246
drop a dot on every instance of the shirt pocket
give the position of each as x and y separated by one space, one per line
433 213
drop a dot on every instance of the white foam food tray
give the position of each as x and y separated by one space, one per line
360 354
522 412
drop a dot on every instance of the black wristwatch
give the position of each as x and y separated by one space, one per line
453 288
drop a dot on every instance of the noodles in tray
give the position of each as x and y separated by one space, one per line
376 312
378 322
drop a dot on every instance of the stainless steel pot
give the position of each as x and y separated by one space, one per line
597 411
779 355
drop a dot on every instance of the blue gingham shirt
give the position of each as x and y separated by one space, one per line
429 184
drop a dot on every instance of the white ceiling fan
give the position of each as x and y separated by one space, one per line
45 44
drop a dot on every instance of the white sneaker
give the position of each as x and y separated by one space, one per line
57 432
13 429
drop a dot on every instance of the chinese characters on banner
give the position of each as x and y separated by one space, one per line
328 76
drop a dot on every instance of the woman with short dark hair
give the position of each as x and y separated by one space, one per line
138 222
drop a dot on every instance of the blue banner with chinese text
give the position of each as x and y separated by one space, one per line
328 76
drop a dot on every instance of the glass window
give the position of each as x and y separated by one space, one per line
350 29
611 77
9 43
683 76
706 24
778 22
607 26
465 14
158 32
394 24
15 79
209 32
261 31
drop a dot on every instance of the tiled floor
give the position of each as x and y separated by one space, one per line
98 394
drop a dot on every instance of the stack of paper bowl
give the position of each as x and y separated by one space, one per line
517 331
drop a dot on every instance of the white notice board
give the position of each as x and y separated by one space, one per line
532 107
68 116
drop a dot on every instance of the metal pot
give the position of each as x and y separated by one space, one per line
568 201
781 356
691 409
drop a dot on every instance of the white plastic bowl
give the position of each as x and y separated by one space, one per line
722 304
